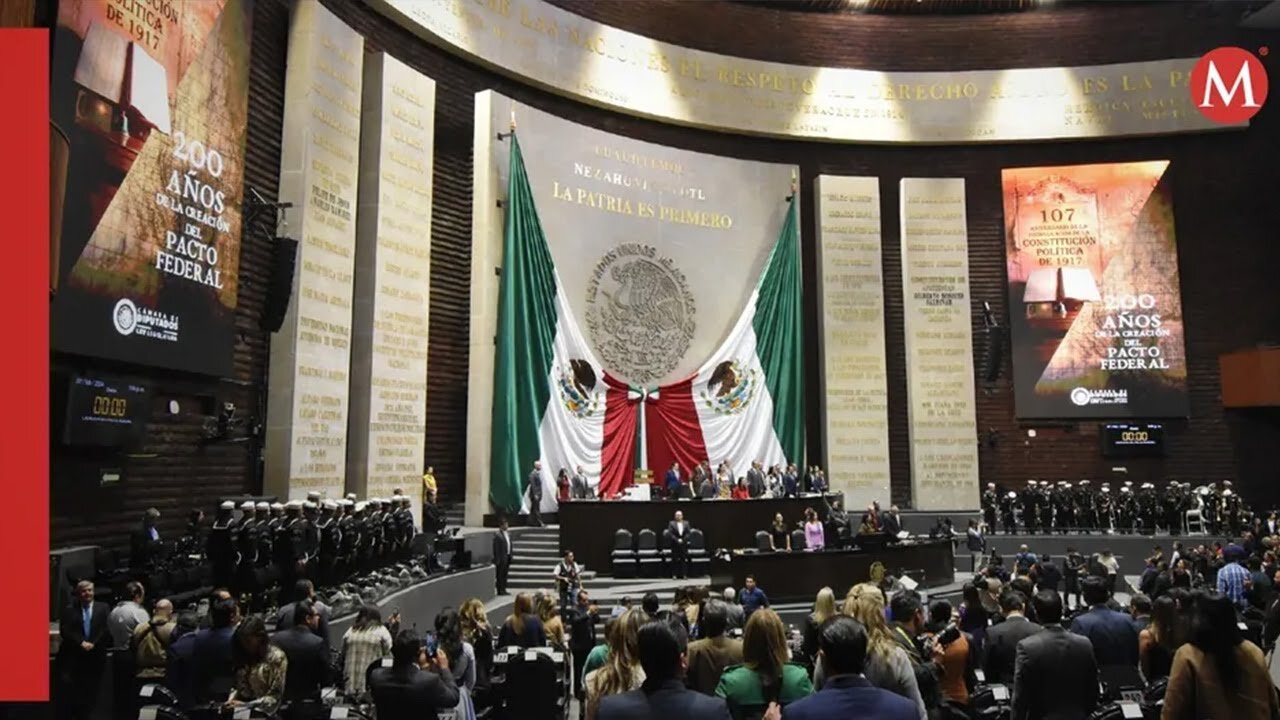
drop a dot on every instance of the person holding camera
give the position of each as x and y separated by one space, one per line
908 619
958 677
415 683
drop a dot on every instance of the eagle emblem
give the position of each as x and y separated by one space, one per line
577 381
730 388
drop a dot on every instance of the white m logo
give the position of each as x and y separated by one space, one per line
1214 82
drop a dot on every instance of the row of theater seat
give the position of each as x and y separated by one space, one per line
648 554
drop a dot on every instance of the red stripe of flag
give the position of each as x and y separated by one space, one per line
24 438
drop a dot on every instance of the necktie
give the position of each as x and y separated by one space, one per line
87 619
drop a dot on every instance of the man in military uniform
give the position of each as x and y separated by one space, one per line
1065 509
1148 508
1124 509
390 529
1173 507
1031 507
1006 512
1048 499
1086 507
377 541
407 529
220 547
1105 504
1232 510
288 546
246 539
330 543
1209 509
990 502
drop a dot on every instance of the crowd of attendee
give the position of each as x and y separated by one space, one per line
1050 632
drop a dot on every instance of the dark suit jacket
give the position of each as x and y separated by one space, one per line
679 541
534 635
212 666
71 631
1055 677
414 695
284 620
535 485
666 701
890 524
501 550
755 482
308 667
1115 640
851 696
672 480
1001 647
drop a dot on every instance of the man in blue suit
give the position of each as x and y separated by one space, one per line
672 482
663 695
842 650
1114 638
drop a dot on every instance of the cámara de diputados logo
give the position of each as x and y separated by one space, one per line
129 319
1084 396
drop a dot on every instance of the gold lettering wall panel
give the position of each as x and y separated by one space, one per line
393 272
939 344
306 440
599 64
855 407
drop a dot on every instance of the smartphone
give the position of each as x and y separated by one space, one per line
432 645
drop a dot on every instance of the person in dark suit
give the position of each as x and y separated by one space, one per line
678 538
1112 634
1001 647
144 544
662 646
579 486
755 480
790 482
212 662
582 619
891 522
304 590
1055 675
82 654
308 668
671 483
1047 574
842 653
535 495
415 686
501 556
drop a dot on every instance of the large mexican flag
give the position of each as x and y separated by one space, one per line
555 404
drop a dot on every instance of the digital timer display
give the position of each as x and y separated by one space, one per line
1132 439
105 412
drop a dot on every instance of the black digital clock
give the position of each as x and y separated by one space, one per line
105 412
1132 439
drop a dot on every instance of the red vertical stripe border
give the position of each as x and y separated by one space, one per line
24 420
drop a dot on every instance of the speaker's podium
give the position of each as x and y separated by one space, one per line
641 486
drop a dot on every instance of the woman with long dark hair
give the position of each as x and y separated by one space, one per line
1160 640
1218 674
462 659
765 676
974 617
260 667
779 535
522 628
366 642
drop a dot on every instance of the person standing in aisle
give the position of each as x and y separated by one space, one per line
535 495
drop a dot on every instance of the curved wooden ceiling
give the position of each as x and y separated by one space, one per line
901 6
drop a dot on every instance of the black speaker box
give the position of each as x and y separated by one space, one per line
993 358
284 260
